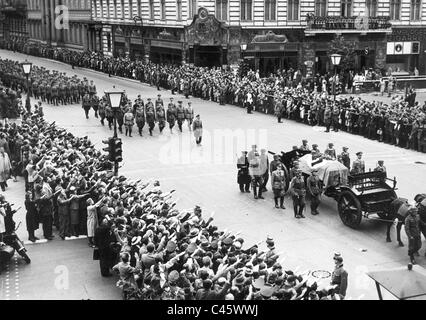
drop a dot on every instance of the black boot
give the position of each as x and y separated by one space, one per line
276 202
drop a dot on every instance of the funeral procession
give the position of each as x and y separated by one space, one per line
240 150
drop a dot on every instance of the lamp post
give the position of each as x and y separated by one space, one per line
335 60
114 98
26 67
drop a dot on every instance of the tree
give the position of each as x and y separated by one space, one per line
347 48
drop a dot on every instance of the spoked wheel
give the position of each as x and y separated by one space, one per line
349 210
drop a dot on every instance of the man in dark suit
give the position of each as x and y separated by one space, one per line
102 240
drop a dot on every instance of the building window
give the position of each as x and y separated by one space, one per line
95 8
346 8
139 8
321 8
246 9
415 9
293 10
122 9
371 6
107 9
270 10
179 9
395 9
222 9
163 9
151 9
192 7
115 9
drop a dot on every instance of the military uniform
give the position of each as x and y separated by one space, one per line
358 166
101 112
86 105
189 115
412 229
339 278
171 115
298 191
327 118
129 121
346 160
161 117
180 115
150 115
314 185
140 117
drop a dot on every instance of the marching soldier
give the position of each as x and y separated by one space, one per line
49 93
159 101
161 116
76 93
55 94
243 177
256 176
171 114
92 88
101 111
119 114
197 127
335 117
150 115
189 115
140 117
327 117
129 121
314 185
180 115
86 105
358 165
298 192
109 114
63 93
95 104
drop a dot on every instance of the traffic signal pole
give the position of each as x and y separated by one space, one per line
115 137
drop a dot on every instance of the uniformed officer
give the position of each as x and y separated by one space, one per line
119 114
150 115
94 102
161 116
159 101
298 192
139 116
55 94
339 277
101 111
256 176
180 115
358 165
314 185
380 166
171 114
189 115
412 229
278 180
129 121
344 156
86 105
92 88
335 117
316 153
330 152
278 110
243 177
109 114
304 145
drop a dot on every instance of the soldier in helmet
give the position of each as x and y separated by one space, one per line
86 105
150 115
101 111
180 115
171 114
161 116
139 116
358 166
298 192
189 115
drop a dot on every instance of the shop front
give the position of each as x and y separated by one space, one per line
163 51
405 51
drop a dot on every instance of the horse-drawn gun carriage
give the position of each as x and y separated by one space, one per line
361 195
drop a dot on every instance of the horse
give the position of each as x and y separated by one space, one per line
398 211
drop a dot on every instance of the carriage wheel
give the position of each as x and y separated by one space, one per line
349 210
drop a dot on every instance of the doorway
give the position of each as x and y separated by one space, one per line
208 56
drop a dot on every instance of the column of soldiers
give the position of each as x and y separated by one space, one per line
150 113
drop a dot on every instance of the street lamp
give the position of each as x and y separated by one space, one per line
335 60
26 67
114 99
243 48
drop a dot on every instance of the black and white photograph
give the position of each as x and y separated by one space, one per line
212 153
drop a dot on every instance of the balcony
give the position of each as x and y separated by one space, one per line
13 5
334 24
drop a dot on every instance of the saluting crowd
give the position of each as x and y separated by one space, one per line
135 229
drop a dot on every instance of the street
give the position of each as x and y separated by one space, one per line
207 176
